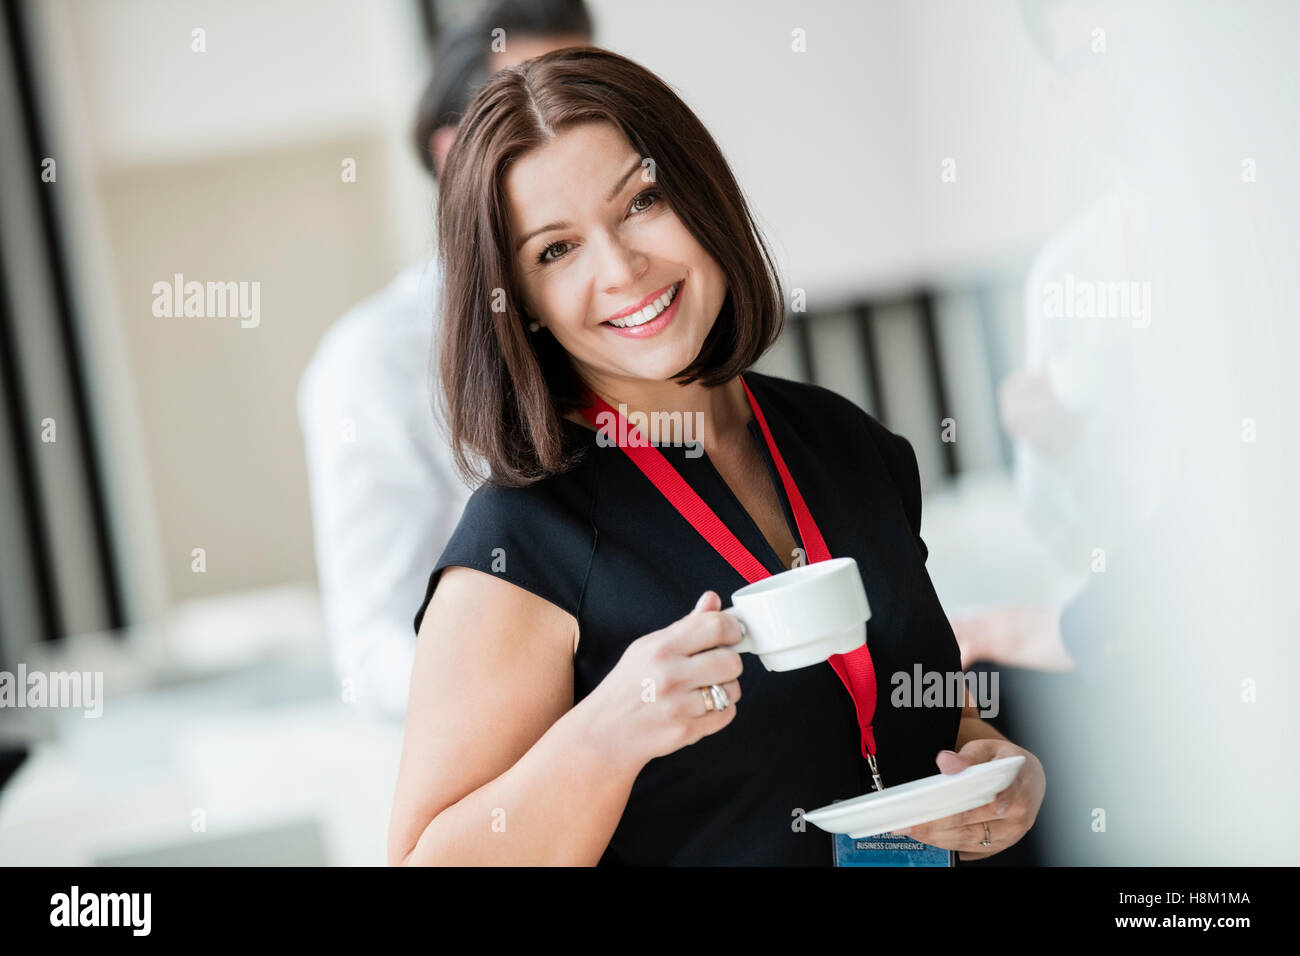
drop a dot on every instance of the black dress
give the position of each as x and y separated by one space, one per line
602 543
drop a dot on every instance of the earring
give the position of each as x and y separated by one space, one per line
533 326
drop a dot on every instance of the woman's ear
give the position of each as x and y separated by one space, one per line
530 321
440 145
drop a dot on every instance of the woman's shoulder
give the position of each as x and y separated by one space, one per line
796 397
824 416
538 537
826 411
556 497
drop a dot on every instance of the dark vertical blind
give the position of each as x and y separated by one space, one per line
36 297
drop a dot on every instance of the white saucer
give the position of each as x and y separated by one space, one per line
917 801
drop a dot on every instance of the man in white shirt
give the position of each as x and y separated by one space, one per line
385 494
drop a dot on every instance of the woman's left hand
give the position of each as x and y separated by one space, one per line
1009 814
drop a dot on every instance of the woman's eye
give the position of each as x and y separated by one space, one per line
648 194
651 194
543 257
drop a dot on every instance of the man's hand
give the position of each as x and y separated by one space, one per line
1015 636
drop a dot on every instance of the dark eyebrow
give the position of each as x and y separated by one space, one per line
613 194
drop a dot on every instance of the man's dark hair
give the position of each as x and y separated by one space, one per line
460 61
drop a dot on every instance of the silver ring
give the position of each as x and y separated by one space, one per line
986 841
715 698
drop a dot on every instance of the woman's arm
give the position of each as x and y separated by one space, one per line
1011 812
972 726
498 767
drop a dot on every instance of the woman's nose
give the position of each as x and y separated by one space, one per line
620 264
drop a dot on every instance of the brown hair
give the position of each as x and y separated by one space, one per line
504 389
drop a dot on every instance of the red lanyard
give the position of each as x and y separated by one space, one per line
855 668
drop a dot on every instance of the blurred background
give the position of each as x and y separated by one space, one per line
1051 243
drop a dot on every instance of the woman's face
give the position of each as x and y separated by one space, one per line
598 239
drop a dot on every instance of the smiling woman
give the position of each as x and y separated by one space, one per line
575 696
580 190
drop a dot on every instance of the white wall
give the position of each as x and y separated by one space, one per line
225 162
839 147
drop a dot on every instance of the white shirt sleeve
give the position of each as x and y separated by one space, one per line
1100 367
384 495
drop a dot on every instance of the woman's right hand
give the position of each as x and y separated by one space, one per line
650 704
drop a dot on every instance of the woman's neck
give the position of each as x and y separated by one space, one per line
716 415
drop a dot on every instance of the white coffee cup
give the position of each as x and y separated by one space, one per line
804 615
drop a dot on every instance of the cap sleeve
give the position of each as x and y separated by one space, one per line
538 538
900 459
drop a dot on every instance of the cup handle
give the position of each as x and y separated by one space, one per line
746 643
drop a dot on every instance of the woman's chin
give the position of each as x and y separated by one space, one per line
664 367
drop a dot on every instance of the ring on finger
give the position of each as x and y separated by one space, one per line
715 698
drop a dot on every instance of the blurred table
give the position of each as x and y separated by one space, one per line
266 765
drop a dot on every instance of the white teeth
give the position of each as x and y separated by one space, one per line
651 311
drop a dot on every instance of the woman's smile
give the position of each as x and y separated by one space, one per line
652 318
